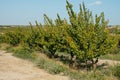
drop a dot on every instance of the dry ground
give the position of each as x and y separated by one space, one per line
12 68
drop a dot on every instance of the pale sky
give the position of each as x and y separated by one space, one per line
21 12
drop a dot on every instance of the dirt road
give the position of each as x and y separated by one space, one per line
12 68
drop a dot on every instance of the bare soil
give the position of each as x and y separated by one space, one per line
109 62
12 68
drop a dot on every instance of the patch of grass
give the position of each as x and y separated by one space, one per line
9 49
75 75
111 57
116 71
24 53
51 66
4 46
0 46
54 68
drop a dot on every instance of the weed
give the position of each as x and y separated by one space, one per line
51 66
24 54
116 71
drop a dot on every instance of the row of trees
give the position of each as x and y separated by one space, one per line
83 38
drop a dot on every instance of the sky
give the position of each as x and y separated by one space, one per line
21 12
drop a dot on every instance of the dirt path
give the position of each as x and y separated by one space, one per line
12 68
110 62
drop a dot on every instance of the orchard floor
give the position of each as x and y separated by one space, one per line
12 68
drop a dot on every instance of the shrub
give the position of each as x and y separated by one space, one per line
83 38
2 38
88 38
15 37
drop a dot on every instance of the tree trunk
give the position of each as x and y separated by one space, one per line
94 63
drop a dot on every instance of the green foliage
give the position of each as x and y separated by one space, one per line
116 71
114 52
84 39
2 38
88 38
115 30
111 56
118 45
75 75
14 37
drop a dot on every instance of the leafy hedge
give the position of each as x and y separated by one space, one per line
83 38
